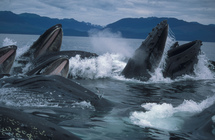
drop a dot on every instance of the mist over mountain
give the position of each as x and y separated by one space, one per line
139 28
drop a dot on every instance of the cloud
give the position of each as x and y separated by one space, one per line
103 12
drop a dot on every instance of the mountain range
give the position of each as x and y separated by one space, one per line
139 28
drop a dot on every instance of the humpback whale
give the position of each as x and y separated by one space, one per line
16 124
181 59
49 41
66 91
58 65
7 56
147 57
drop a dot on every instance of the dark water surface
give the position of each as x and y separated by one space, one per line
157 109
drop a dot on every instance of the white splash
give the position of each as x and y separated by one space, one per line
157 76
165 116
8 41
22 50
83 105
201 68
104 66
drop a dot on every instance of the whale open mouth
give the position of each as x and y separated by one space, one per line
50 41
53 66
7 56
181 59
58 67
191 46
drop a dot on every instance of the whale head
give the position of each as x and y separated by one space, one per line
148 56
7 55
181 59
58 65
49 41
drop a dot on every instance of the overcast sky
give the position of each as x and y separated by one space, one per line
103 12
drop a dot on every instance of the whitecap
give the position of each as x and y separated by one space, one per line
7 41
165 116
103 66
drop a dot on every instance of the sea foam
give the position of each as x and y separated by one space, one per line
165 116
104 66
7 41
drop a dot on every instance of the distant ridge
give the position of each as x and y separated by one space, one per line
27 23
140 27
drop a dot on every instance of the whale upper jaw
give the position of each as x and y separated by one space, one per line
49 41
156 39
155 44
148 56
7 56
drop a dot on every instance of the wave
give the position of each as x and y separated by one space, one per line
166 117
104 66
7 41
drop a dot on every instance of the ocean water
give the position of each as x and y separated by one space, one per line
159 108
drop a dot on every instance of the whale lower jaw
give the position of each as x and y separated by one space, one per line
58 65
7 56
